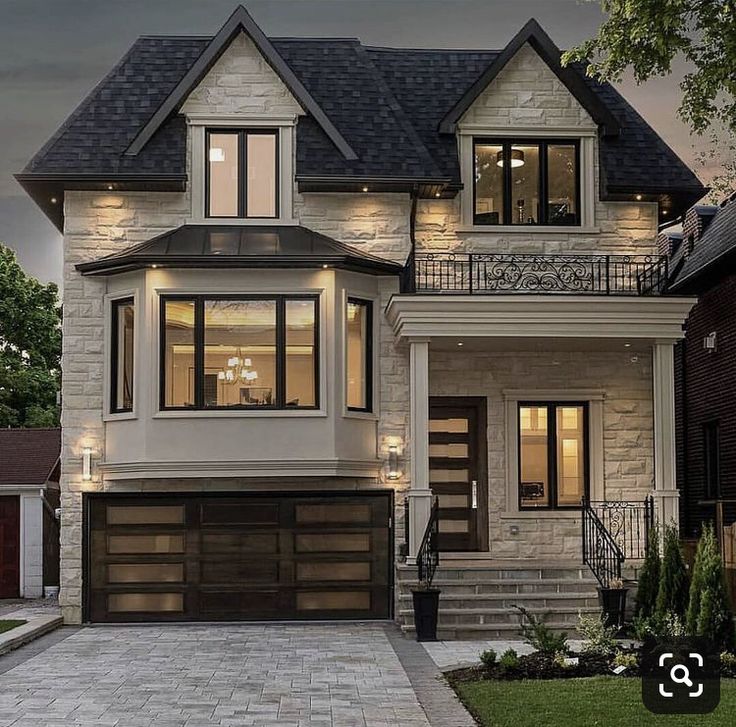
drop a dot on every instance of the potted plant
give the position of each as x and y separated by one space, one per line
426 605
613 602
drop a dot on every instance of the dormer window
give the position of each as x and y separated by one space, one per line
526 182
242 173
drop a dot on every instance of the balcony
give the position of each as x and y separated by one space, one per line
491 273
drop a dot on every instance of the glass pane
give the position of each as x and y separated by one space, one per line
453 451
135 602
145 514
533 443
489 184
179 353
525 184
240 353
332 542
448 475
145 573
333 571
145 544
449 426
334 601
124 313
570 455
453 526
453 500
562 185
222 160
261 161
333 514
301 332
357 355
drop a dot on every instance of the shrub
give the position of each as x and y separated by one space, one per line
559 659
628 660
538 635
643 628
509 659
709 611
599 638
488 657
666 627
673 584
728 662
646 592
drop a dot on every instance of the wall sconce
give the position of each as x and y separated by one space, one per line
87 464
710 342
393 463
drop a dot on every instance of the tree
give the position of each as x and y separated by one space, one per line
30 347
646 592
646 36
673 586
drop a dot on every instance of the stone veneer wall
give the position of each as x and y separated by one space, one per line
627 430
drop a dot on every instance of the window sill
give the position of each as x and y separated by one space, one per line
365 415
541 515
119 417
241 414
535 230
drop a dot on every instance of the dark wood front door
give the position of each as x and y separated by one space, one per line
457 471
239 557
9 547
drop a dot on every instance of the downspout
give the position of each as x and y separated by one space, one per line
685 474
409 281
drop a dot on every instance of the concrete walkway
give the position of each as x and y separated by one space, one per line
344 675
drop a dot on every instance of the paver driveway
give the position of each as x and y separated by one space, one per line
197 676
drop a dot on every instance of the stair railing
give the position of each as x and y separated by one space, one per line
428 557
600 551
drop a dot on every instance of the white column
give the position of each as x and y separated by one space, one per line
666 495
420 496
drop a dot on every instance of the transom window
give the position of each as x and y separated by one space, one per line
239 352
526 182
122 331
242 173
553 458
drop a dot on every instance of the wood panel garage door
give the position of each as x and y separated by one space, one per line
197 557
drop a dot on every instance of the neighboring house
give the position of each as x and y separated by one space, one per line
29 497
304 275
703 263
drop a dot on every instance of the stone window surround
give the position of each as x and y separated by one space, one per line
108 414
587 177
285 125
512 397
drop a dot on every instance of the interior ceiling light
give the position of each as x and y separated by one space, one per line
517 158
217 154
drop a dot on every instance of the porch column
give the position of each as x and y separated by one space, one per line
666 495
420 496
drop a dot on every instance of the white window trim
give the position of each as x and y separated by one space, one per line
373 414
587 140
108 415
214 291
284 125
595 399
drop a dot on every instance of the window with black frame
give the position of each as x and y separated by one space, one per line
359 355
553 457
122 331
239 352
242 173
526 182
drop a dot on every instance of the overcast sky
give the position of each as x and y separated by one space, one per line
52 52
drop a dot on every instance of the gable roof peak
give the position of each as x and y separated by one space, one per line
535 35
239 21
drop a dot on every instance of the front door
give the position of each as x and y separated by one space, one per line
457 471
9 546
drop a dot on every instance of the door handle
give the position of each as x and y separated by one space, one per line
474 494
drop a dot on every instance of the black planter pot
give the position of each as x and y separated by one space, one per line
426 605
613 603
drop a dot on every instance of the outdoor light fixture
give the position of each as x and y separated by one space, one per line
87 464
393 462
110 187
53 200
517 158
638 198
365 189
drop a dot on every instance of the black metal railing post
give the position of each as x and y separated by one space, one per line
428 556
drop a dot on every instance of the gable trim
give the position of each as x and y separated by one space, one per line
533 34
239 21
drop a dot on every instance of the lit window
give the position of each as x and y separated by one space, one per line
123 332
242 173
552 455
359 355
526 183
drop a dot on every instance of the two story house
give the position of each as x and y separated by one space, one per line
307 281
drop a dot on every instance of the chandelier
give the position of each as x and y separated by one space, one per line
238 369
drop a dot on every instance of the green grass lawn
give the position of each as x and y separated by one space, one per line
10 624
604 701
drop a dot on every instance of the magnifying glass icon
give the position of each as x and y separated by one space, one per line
684 679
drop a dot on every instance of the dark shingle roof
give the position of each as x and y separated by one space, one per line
28 456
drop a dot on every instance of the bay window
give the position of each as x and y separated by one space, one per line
525 182
239 352
122 358
359 355
553 457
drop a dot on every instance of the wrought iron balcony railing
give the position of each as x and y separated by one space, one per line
489 273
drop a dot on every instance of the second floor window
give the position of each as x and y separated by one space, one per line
239 352
359 355
526 182
242 173
121 369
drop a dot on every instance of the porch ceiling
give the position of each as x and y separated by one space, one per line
476 344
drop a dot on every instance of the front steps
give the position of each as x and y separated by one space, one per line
478 596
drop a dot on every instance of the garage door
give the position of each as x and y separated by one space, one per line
224 557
